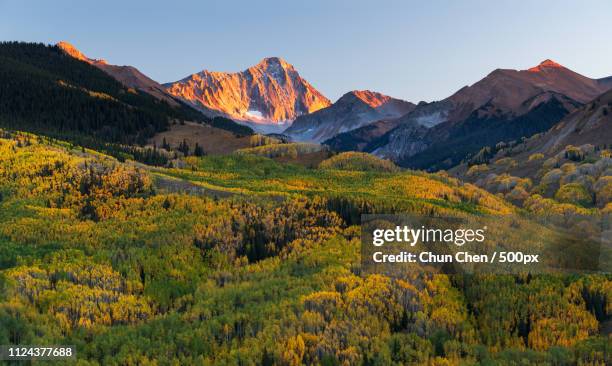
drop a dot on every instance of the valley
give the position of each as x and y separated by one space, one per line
212 140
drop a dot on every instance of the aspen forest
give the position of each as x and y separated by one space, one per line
242 260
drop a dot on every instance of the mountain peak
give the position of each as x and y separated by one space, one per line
271 91
353 110
273 60
373 99
546 64
74 52
70 50
273 64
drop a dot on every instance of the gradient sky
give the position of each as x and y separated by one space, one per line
416 50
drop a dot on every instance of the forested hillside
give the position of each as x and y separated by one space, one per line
243 260
44 90
485 128
567 168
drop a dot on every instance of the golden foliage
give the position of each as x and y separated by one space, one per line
358 161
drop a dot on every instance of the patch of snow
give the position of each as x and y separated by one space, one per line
254 114
431 119
265 128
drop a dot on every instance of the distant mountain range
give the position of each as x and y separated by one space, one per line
353 110
505 105
270 92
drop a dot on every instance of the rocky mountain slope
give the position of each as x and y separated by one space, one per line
590 125
270 92
360 139
505 105
353 110
127 75
606 82
570 163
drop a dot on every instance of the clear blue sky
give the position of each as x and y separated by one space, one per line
421 50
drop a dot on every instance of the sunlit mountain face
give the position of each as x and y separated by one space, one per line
271 92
